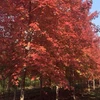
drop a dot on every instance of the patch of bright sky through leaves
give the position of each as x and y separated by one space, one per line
96 7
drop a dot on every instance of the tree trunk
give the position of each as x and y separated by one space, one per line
23 84
3 85
74 97
99 82
22 94
57 92
14 95
40 87
88 86
93 81
8 84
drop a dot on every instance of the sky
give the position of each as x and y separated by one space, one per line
96 7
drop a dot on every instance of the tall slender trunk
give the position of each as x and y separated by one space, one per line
41 83
88 86
15 90
23 84
8 87
3 85
22 94
93 81
99 82
57 92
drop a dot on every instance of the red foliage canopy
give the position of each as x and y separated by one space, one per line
47 37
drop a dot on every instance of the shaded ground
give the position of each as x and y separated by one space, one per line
48 94
92 95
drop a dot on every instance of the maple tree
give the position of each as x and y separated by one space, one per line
48 38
